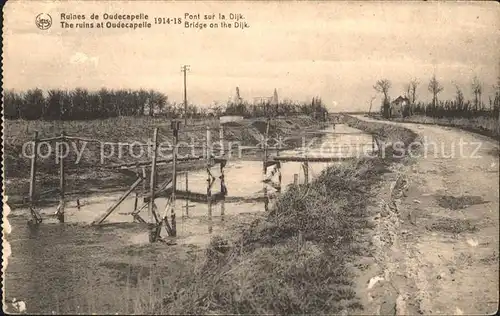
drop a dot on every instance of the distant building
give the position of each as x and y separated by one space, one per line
274 98
237 98
261 100
398 105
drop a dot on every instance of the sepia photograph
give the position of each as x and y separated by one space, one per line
250 157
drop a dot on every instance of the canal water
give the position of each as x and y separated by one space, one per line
55 262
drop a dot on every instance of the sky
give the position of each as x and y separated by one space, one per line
333 49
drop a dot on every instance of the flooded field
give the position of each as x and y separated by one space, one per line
71 267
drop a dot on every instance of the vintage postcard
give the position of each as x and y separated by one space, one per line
250 157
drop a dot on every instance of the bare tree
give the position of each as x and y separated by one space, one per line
477 90
411 90
459 96
383 86
435 88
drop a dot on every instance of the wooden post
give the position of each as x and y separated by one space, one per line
144 175
305 166
223 192
266 135
295 179
33 168
221 139
136 200
209 179
122 198
264 167
174 176
373 143
187 190
152 185
62 182
306 172
34 213
278 165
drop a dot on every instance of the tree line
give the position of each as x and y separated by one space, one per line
315 108
458 107
82 104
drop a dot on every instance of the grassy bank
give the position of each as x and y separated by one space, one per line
298 259
91 175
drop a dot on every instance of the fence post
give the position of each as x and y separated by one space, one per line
223 192
264 167
209 179
152 184
62 182
174 177
33 168
136 200
187 190
306 172
34 213
305 166
373 143
221 139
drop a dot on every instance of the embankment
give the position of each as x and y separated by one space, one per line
300 258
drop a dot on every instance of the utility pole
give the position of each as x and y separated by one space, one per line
184 69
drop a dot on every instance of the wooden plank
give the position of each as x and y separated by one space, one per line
139 219
51 139
147 163
271 163
192 196
114 206
159 191
311 159
337 133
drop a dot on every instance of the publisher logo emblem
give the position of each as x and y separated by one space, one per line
43 21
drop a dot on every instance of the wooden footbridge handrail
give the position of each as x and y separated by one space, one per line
310 159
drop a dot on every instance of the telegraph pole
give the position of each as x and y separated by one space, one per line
184 69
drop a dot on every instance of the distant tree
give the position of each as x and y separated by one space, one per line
411 90
383 86
33 105
13 104
477 89
80 102
157 100
54 103
435 88
459 97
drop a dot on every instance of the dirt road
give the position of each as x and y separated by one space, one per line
436 245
